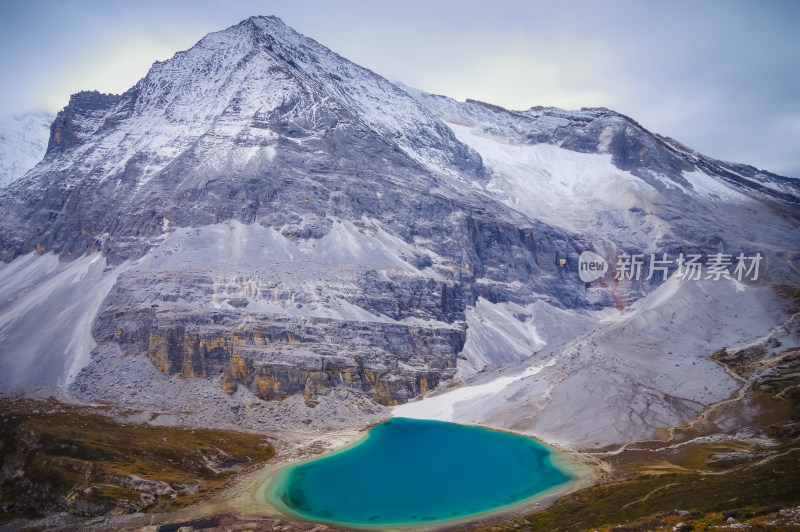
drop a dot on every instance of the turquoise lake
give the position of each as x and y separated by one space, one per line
410 471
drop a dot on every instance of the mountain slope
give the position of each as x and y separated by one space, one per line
237 93
620 377
263 206
598 172
261 223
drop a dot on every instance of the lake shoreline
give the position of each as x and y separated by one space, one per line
246 497
581 475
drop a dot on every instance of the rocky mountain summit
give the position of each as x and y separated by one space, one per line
260 216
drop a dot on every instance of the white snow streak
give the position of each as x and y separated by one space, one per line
442 407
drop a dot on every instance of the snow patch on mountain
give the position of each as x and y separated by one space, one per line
601 174
564 188
442 407
716 189
346 246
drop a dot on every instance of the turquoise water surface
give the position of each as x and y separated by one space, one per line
408 471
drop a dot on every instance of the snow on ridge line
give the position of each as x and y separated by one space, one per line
383 105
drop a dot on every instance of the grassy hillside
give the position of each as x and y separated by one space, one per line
58 457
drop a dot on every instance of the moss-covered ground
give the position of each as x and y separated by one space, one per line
57 457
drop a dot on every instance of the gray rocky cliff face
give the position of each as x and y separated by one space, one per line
83 116
276 354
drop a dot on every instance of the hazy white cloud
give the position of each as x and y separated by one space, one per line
722 76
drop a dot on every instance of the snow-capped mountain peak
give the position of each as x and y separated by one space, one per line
234 83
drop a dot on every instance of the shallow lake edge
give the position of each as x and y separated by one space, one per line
581 475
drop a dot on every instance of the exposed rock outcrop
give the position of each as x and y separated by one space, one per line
85 113
276 355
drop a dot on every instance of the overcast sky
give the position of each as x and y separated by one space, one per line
722 76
